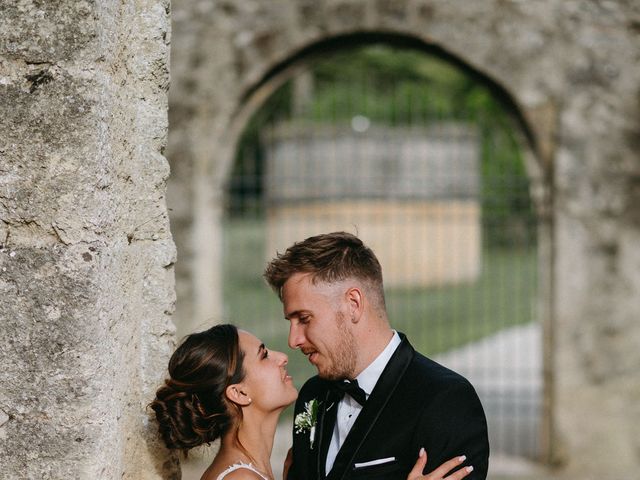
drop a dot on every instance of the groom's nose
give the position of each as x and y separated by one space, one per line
296 336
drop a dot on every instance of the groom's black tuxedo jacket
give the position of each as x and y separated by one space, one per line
416 403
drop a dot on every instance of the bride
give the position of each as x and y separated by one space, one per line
224 383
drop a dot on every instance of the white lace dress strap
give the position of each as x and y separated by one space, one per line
237 466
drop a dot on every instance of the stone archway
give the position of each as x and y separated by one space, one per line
569 67
207 118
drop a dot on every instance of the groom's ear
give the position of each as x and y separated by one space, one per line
355 303
237 395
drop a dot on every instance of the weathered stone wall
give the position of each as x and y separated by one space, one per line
308 191
572 68
86 257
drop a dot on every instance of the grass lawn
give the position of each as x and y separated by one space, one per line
436 319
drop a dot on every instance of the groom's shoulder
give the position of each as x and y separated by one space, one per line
423 370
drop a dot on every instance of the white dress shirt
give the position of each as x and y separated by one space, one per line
349 409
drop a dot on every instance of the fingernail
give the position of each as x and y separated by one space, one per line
462 458
469 468
421 454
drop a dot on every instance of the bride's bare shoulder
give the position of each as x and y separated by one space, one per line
243 474
233 472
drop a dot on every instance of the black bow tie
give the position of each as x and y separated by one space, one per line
350 387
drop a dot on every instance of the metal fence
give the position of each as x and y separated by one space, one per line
424 165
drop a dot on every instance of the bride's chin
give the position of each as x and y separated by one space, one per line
290 400
293 397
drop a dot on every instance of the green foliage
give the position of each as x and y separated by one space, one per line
391 86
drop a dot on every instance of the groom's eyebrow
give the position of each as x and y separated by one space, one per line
293 314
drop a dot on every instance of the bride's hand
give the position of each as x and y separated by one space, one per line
440 472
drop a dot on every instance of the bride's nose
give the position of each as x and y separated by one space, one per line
283 359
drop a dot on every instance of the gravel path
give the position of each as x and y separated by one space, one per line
506 370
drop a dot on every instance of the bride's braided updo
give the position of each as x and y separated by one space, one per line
192 408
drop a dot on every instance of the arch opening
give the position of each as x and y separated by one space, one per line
477 196
442 165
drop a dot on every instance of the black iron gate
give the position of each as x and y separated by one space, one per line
424 164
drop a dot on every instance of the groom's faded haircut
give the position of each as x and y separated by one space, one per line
330 257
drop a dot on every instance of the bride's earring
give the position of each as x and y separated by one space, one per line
248 398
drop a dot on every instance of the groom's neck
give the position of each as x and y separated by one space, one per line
371 340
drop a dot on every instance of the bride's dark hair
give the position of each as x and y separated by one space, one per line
191 407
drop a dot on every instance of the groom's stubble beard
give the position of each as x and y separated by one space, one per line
342 357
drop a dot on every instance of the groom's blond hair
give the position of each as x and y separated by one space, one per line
330 257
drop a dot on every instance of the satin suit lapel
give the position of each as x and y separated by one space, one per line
326 423
372 410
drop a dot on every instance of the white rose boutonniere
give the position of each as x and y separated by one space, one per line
307 420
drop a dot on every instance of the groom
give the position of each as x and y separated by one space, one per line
375 401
